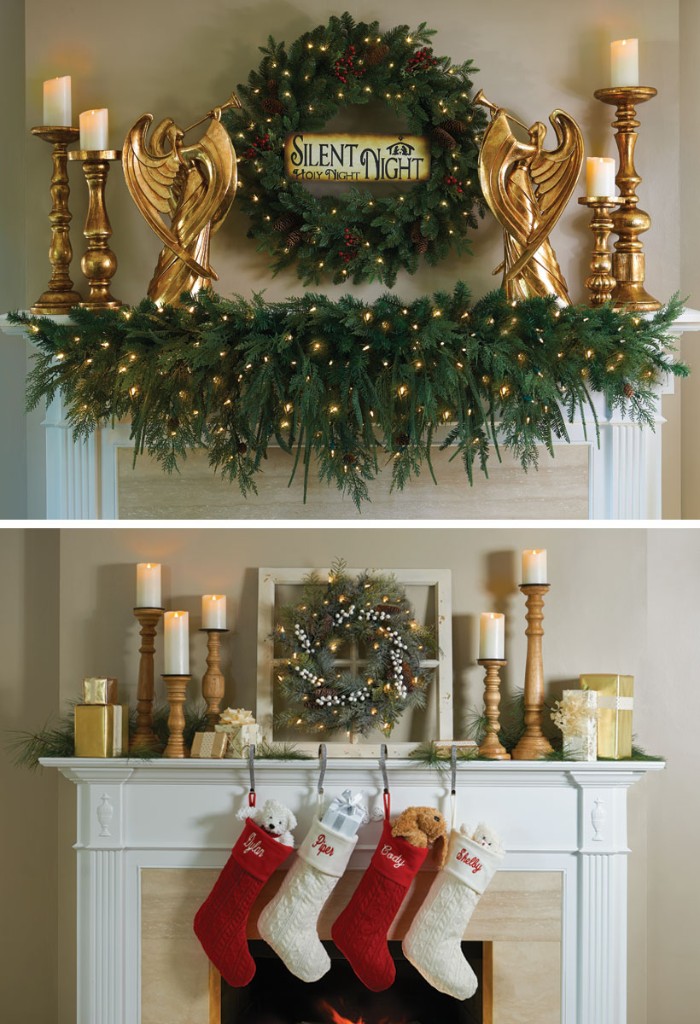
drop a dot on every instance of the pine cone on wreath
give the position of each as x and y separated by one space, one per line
408 677
628 390
443 138
293 239
271 105
285 222
376 54
454 127
420 243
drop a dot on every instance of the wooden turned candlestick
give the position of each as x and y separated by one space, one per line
176 687
492 746
213 682
144 736
533 744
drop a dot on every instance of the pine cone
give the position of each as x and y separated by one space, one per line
389 609
408 677
443 138
285 222
241 447
293 239
420 244
403 440
272 85
376 54
454 127
628 390
272 106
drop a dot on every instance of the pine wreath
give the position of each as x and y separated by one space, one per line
321 689
300 89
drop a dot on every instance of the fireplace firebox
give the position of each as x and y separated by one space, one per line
276 997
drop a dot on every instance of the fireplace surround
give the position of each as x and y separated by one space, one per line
153 835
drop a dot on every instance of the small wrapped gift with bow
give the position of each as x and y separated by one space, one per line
241 730
345 813
576 714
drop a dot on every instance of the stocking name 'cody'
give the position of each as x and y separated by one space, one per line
397 860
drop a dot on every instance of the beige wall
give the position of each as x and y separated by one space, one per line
617 596
160 57
29 878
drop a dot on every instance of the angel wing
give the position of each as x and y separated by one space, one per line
500 152
159 177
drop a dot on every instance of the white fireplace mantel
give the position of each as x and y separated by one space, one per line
624 464
563 817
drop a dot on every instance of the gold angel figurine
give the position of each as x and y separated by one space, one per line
192 185
527 188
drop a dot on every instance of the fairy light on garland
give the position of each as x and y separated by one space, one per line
355 235
322 691
346 387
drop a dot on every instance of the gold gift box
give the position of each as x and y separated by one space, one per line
209 744
615 706
101 730
100 691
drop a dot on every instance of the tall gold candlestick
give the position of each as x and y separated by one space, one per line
492 746
60 296
533 744
144 735
600 283
629 222
176 687
99 264
213 682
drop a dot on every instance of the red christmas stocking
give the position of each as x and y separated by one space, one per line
360 933
221 921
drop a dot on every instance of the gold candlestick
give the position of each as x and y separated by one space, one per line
629 222
600 283
144 735
492 746
60 296
176 687
213 682
99 264
533 745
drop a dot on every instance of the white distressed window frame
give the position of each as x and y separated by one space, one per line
440 580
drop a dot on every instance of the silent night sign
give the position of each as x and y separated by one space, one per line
316 156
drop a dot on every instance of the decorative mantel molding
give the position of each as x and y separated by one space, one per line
566 817
625 468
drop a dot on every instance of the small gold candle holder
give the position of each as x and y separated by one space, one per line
600 283
533 744
99 264
60 296
144 736
492 746
629 222
213 682
176 687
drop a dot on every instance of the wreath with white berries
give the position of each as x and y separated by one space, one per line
315 638
355 235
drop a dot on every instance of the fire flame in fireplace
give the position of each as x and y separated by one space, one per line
337 1018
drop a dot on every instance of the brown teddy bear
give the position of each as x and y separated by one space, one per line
422 827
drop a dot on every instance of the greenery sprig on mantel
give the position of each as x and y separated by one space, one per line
347 386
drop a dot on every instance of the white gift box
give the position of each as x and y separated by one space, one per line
346 813
578 745
240 737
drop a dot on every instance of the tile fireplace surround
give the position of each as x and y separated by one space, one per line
152 836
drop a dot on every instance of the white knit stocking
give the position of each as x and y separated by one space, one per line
289 922
433 941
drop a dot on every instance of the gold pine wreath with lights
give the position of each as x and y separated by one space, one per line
322 690
355 235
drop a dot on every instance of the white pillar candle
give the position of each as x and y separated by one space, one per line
624 62
58 110
213 611
94 129
492 636
535 566
148 585
600 176
177 644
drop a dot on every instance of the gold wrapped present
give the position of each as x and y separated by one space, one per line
209 744
100 691
615 704
101 730
240 737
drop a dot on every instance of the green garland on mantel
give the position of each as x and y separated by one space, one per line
349 384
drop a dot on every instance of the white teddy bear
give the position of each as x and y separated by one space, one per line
273 818
484 835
